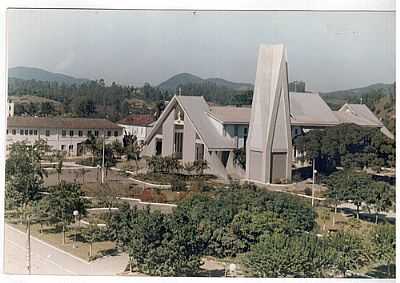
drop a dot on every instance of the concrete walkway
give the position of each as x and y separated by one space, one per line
47 259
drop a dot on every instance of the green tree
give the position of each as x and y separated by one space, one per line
61 201
349 185
347 252
381 197
24 173
117 148
92 234
348 146
279 255
384 244
84 107
47 108
107 196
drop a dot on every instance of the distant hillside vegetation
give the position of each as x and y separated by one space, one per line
183 79
29 73
230 85
336 99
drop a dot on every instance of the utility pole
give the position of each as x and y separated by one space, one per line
102 162
28 244
104 137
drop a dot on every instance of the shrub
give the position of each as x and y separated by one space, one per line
308 191
178 184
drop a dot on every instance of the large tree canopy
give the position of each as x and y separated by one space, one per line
347 146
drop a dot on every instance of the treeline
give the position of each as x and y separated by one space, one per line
217 94
90 99
95 99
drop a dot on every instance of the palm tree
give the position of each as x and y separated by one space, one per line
59 156
91 143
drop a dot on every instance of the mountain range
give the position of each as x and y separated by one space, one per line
30 73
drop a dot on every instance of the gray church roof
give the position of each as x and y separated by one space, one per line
309 109
306 109
196 109
231 114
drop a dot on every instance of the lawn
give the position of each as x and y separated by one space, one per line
343 221
53 237
76 174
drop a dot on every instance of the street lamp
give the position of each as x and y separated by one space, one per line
98 169
313 182
75 213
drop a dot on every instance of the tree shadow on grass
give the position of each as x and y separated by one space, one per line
106 252
382 271
211 273
52 230
349 212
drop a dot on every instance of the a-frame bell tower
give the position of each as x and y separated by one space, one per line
269 145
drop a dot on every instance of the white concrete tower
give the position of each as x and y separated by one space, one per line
269 146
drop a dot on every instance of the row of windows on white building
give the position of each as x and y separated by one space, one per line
32 132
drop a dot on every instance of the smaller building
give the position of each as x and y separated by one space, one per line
361 115
138 125
66 134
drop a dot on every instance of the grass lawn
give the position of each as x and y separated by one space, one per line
343 221
54 238
131 165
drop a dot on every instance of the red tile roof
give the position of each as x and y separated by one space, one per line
137 120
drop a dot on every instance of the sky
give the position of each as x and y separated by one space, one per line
328 50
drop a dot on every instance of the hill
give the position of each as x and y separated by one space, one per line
185 79
179 80
337 98
29 73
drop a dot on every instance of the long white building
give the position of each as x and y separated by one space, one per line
66 134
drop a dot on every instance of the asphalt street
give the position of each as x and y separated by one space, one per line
47 259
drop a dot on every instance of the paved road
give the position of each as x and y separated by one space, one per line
47 259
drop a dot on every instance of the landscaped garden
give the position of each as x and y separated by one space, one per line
348 233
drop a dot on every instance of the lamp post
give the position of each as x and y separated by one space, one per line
313 182
75 213
28 244
98 169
